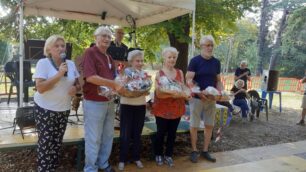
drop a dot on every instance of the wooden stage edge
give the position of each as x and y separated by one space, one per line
75 133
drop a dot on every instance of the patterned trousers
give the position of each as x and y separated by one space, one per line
51 127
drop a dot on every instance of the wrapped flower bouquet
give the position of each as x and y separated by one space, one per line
136 83
169 86
213 94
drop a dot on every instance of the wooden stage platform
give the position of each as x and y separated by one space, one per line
74 134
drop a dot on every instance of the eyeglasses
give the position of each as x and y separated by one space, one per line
207 45
105 36
171 57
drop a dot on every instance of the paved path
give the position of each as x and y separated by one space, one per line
289 157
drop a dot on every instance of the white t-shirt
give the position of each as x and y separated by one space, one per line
57 98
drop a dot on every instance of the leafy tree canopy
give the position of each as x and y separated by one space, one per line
216 17
294 44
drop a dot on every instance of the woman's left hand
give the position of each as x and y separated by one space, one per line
72 90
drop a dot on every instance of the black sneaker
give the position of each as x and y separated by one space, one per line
194 156
208 157
168 160
301 122
109 169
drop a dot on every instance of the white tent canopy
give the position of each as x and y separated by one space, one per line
145 12
111 12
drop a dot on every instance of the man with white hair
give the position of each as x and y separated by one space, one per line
204 70
243 73
99 70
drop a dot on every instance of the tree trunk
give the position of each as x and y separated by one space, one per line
276 48
182 47
152 65
262 34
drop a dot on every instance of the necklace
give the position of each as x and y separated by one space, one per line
53 63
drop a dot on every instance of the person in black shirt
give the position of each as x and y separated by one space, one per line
117 49
240 98
243 73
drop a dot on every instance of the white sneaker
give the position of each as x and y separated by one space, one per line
236 110
139 164
121 166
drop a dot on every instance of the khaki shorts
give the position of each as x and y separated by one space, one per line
197 107
304 102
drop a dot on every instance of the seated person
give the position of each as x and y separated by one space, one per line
240 98
231 108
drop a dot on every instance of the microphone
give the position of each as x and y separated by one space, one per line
63 58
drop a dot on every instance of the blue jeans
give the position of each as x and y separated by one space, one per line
242 103
99 133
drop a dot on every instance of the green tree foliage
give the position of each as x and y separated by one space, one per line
294 45
287 6
80 34
242 45
8 23
212 17
152 39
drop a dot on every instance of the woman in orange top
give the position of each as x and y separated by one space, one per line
167 107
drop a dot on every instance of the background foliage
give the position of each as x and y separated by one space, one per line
236 35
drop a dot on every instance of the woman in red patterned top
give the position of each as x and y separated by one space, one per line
168 107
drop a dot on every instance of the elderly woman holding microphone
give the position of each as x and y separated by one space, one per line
168 107
56 83
204 70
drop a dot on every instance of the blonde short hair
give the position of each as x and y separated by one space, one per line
207 38
134 54
169 50
102 30
50 42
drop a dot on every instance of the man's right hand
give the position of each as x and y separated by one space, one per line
203 96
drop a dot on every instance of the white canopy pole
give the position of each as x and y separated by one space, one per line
21 46
193 30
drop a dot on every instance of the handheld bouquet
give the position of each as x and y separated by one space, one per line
136 82
214 94
106 92
173 87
